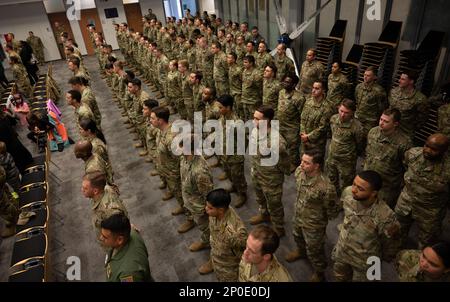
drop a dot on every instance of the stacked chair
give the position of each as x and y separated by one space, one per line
350 66
329 49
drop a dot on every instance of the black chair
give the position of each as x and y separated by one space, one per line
28 270
41 218
32 193
29 243
34 174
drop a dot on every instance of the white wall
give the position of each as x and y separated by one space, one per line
107 24
21 18
206 5
156 6
54 6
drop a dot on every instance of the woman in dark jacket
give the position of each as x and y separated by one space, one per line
26 54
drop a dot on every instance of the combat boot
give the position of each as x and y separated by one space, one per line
178 211
241 200
318 277
162 185
154 173
198 246
295 255
259 219
222 176
206 268
138 145
189 224
8 231
143 153
148 160
168 195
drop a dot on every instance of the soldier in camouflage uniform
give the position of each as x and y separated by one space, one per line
205 62
312 71
348 140
268 178
240 49
151 132
290 107
82 111
186 104
87 97
338 86
368 220
370 100
315 120
220 71
271 87
228 237
212 107
412 104
105 202
138 97
37 46
229 45
432 264
259 263
386 146
251 87
314 206
162 67
58 30
74 64
196 183
235 83
425 195
195 82
282 62
8 207
20 76
263 58
174 85
233 164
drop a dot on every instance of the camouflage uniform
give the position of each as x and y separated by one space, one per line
284 66
235 81
99 148
162 67
136 114
268 180
263 60
21 79
275 272
414 109
370 103
88 98
84 112
444 120
197 102
152 134
196 183
38 48
347 141
337 90
12 173
8 204
271 89
240 53
364 233
290 106
408 268
174 92
220 73
315 122
314 206
96 164
424 196
310 73
228 240
251 91
168 164
384 155
186 106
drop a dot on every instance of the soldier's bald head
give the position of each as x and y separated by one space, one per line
440 140
436 146
83 149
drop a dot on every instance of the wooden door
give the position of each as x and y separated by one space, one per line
134 16
61 18
89 16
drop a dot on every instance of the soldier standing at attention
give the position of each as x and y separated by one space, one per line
370 99
337 86
412 104
432 264
347 141
220 71
151 132
235 83
369 220
251 87
386 146
268 178
283 63
259 263
315 205
227 237
37 46
312 71
127 260
271 87
425 196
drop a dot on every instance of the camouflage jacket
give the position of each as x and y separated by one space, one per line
169 163
227 133
251 86
88 97
235 79
105 206
96 163
348 139
337 89
220 70
271 90
444 119
284 66
290 107
408 268
315 120
174 84
370 102
262 60
275 272
311 72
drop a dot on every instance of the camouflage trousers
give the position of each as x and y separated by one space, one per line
235 173
312 242
428 219
345 272
174 185
225 273
222 87
238 107
196 212
9 210
208 80
269 201
182 105
141 129
340 172
292 137
173 101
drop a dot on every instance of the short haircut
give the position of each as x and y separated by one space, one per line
294 78
442 249
97 179
373 69
150 103
76 95
198 75
185 63
373 178
119 224
234 55
213 91
217 45
269 238
313 50
75 61
226 100
2 148
250 59
273 67
136 82
219 198
162 113
349 104
412 75
317 156
394 112
267 111
78 81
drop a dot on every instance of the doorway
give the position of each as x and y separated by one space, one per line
89 16
134 16
61 18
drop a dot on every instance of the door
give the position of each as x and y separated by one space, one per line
61 18
134 16
89 16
